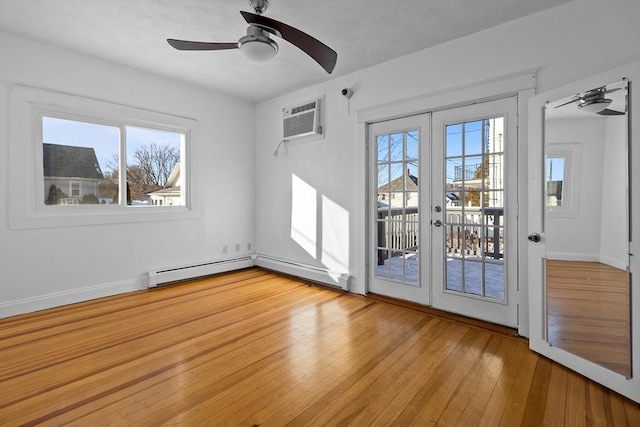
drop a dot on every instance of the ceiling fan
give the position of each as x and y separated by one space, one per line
594 101
258 46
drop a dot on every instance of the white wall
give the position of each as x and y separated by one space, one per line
614 249
555 42
51 266
577 236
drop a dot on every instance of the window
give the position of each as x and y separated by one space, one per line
554 178
80 161
562 167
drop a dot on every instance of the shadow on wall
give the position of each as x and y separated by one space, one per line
319 226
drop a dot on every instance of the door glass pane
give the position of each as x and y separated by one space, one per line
474 211
454 140
383 148
397 233
397 147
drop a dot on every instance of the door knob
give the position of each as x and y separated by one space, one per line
437 223
534 237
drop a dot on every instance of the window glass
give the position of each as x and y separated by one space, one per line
81 164
75 157
554 173
153 167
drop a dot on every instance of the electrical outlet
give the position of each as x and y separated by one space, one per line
237 247
248 246
225 249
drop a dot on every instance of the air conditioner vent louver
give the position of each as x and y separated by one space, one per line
302 120
309 106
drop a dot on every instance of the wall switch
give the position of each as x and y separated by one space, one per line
237 247
225 249
248 246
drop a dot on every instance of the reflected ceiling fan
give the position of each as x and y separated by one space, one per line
258 46
594 101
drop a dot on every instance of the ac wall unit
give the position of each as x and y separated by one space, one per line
303 120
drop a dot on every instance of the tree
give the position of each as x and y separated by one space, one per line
54 196
152 164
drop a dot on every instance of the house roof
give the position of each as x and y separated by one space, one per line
70 162
406 182
166 191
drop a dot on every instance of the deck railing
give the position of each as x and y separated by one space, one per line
398 231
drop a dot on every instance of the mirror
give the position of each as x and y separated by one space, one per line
586 226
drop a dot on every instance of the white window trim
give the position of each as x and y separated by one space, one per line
571 152
27 208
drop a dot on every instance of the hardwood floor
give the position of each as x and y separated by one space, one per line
255 348
589 312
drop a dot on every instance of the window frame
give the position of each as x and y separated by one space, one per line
28 210
571 153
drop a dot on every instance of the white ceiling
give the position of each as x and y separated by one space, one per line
362 32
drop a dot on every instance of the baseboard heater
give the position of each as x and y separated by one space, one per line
177 274
316 274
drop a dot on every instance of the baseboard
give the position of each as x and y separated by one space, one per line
316 274
57 299
616 263
171 275
570 256
179 273
564 256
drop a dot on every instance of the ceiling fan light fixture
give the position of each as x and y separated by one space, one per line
258 50
257 46
594 105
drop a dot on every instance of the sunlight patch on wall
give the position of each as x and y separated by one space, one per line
335 236
303 215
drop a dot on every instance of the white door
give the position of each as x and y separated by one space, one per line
474 211
399 188
581 263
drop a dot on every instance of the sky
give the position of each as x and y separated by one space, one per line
468 134
105 140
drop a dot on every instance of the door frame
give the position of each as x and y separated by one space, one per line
627 387
520 83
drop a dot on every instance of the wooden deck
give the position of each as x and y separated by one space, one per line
256 348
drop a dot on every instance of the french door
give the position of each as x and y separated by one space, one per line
443 214
400 191
474 211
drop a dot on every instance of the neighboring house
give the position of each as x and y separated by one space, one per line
70 174
171 194
392 194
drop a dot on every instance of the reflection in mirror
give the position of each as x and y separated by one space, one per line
587 226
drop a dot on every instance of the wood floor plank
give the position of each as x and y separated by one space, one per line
508 401
257 348
588 306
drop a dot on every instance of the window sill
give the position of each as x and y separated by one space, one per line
73 216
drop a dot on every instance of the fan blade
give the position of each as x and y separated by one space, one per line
608 112
188 45
568 102
320 52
